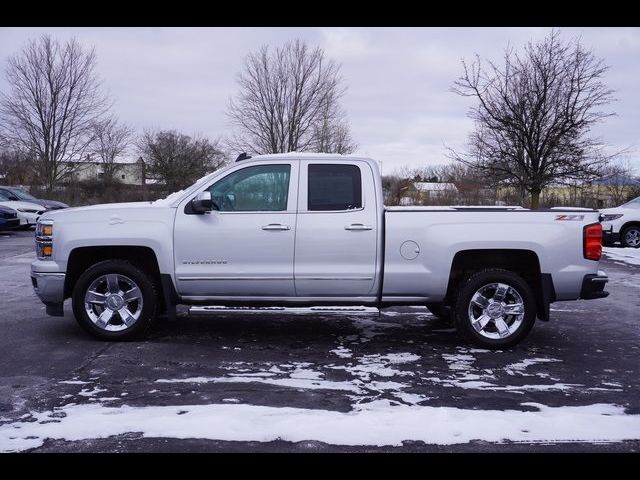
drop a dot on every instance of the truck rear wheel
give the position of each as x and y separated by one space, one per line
115 300
495 309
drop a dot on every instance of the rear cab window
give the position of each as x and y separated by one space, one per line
333 187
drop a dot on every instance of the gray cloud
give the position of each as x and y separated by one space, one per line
398 98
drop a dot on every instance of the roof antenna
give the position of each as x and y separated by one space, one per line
243 156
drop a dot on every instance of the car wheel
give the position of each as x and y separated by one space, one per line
630 236
495 309
115 300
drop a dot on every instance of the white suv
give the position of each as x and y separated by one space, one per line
622 224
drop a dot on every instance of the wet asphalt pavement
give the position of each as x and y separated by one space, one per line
322 360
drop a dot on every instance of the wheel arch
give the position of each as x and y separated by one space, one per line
521 261
630 223
143 257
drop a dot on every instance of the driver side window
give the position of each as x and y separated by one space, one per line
261 188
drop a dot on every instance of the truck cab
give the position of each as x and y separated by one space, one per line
299 229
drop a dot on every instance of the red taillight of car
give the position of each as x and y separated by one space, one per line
592 242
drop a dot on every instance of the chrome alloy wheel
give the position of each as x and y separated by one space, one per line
113 302
632 237
496 310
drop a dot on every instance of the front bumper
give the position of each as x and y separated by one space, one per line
28 219
49 287
608 236
593 286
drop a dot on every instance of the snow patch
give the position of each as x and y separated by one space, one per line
376 423
342 352
520 367
90 393
630 256
280 382
74 382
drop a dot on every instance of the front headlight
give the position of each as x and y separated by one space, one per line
607 217
44 239
26 210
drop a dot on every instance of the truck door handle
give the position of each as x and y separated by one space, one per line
358 227
276 226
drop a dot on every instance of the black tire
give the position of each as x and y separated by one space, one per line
439 311
484 280
623 236
148 292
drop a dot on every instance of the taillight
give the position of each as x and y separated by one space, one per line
592 242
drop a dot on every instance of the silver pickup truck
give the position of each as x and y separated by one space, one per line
311 229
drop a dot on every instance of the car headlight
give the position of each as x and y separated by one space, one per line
44 239
27 210
607 217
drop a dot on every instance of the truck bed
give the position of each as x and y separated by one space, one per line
421 244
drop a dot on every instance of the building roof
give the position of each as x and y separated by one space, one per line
433 186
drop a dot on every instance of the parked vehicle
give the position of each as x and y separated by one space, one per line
28 213
18 194
311 229
8 219
622 224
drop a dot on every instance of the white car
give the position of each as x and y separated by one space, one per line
622 224
28 212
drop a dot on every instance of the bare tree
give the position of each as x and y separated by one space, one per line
176 159
53 100
110 140
395 187
16 167
534 115
285 97
331 134
618 181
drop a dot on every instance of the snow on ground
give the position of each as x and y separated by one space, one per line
630 256
520 367
282 382
464 374
90 393
299 375
375 423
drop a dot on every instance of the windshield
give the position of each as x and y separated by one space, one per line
21 194
635 203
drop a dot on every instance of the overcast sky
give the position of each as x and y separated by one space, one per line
398 99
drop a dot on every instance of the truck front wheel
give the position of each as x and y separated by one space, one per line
495 309
115 300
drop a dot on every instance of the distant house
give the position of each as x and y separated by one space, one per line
435 189
421 192
129 172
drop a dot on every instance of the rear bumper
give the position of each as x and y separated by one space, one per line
593 286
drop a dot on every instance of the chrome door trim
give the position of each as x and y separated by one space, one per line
300 277
233 278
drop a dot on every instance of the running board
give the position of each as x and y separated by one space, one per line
205 310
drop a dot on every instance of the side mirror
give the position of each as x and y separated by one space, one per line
203 203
